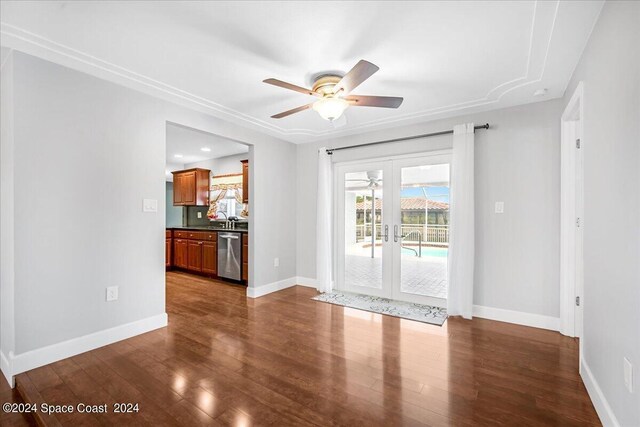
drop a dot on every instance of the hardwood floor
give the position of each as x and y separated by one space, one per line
284 359
8 418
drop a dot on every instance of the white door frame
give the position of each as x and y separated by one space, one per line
572 220
391 271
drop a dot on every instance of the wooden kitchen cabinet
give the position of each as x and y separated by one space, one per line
180 250
210 257
168 250
191 187
245 181
194 252
245 257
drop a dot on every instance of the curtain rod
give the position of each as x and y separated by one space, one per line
444 132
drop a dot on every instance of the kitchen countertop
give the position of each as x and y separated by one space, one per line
207 228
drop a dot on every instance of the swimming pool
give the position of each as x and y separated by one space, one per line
431 252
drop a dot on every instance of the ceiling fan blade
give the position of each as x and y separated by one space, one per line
290 86
359 73
292 111
374 101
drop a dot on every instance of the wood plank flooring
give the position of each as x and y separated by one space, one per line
13 419
285 360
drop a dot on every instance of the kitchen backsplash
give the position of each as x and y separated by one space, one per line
192 220
192 215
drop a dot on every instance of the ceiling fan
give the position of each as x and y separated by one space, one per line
373 180
334 93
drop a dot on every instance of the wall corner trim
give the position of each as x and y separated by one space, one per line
256 292
43 356
5 365
517 317
604 411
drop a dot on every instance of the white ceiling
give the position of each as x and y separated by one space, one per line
444 58
189 142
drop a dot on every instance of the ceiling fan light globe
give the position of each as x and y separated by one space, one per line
330 108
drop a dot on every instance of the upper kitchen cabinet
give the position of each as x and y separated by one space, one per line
191 187
245 181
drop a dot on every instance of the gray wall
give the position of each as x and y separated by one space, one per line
610 70
221 165
103 146
173 213
6 212
517 161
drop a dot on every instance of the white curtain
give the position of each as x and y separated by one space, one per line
324 216
461 236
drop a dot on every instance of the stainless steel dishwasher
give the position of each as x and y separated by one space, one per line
229 253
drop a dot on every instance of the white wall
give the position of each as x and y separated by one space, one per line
86 153
610 70
221 165
517 162
7 342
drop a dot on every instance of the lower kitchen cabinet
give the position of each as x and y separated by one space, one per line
210 257
245 257
168 250
194 252
180 249
197 251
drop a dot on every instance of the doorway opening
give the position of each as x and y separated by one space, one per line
207 205
393 228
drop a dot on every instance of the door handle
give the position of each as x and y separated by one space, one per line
395 233
386 233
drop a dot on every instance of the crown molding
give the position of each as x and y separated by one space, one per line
543 23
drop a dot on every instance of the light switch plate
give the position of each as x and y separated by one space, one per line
276 262
499 207
149 205
628 374
112 293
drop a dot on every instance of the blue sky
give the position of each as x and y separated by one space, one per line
439 194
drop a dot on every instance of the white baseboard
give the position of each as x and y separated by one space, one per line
6 369
517 317
306 281
607 417
256 292
280 285
43 356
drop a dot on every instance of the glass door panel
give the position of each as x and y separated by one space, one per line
421 211
361 244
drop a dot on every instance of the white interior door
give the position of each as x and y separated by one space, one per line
392 227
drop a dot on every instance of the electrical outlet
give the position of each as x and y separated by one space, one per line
628 374
112 293
199 215
276 262
149 205
499 207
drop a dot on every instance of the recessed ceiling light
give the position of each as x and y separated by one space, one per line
205 149
177 156
540 92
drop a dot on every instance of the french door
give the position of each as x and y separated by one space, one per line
392 228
